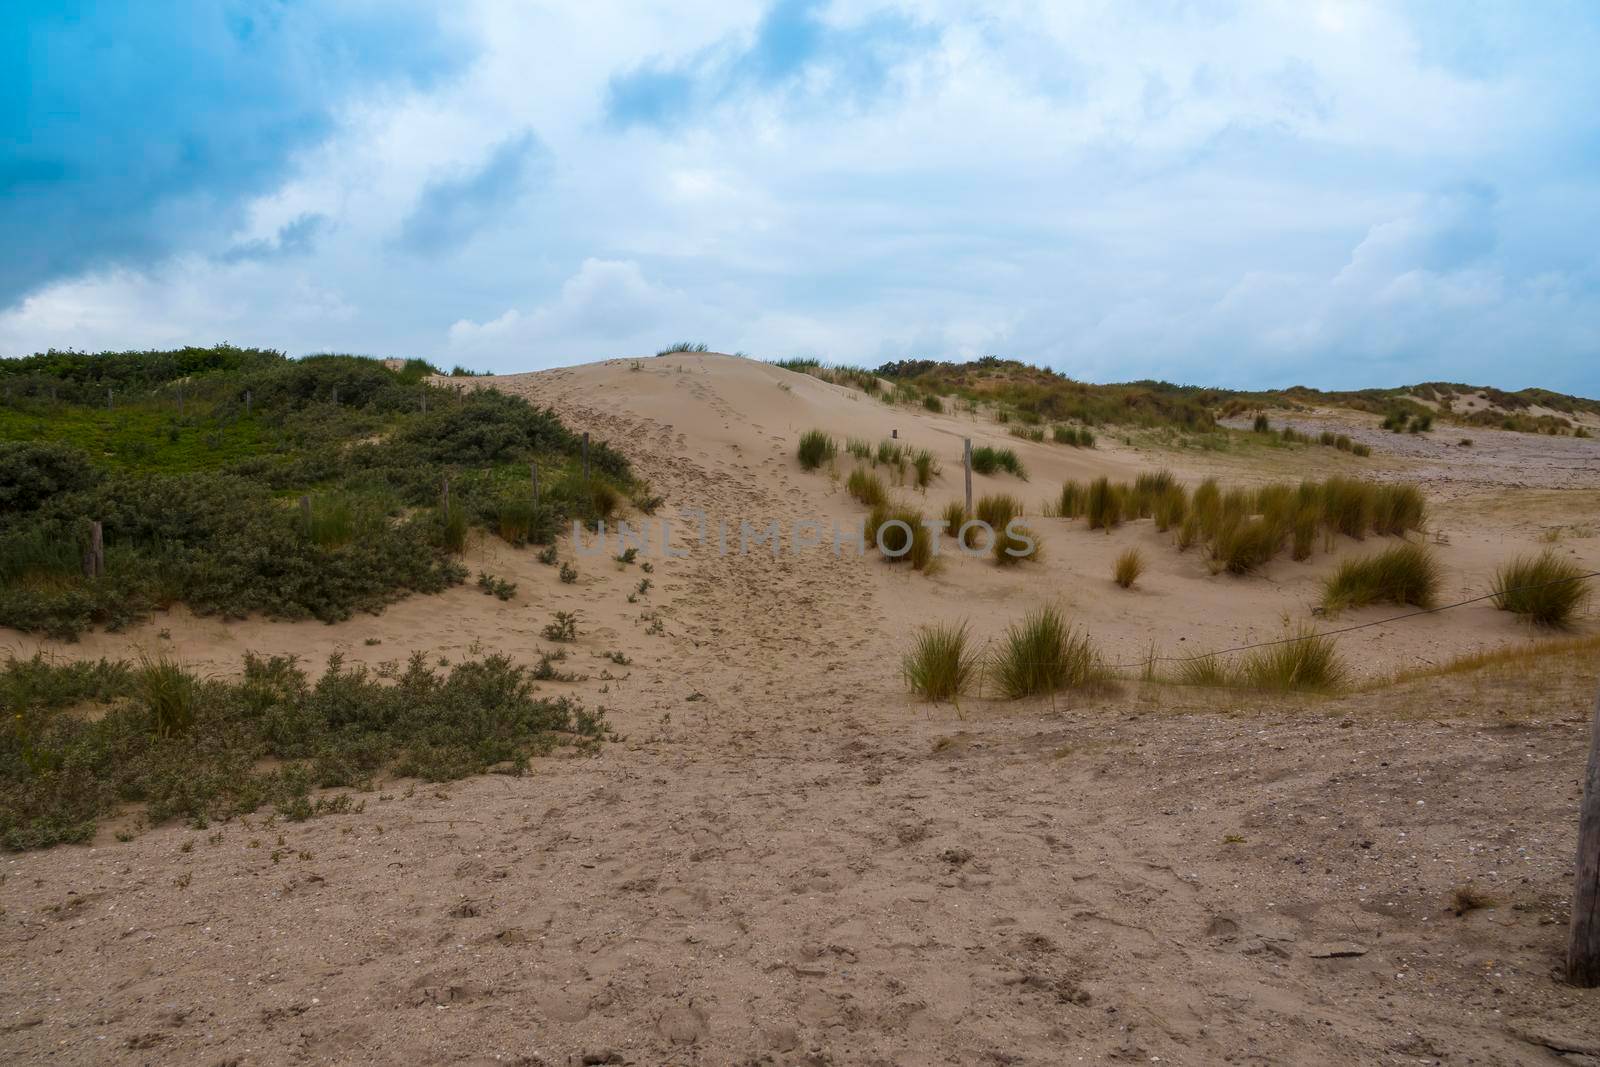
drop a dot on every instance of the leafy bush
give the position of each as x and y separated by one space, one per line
941 665
1547 589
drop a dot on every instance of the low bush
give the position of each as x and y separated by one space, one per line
183 747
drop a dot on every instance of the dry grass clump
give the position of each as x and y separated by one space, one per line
1397 509
1011 544
1469 898
1042 654
169 692
925 466
1128 567
1547 589
1068 504
1306 662
1404 574
941 665
816 448
866 487
954 515
997 509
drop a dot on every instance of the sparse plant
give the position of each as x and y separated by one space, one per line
498 588
1128 568
563 627
627 556
548 555
926 467
168 692
568 573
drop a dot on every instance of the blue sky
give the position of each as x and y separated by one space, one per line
1336 194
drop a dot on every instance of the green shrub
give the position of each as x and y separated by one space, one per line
1547 589
1262 424
1404 574
816 448
931 403
941 664
1042 654
179 746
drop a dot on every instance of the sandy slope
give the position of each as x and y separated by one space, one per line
788 861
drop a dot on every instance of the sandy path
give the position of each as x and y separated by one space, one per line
785 861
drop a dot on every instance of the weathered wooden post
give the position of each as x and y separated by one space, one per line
247 402
586 459
894 435
1583 943
966 462
94 560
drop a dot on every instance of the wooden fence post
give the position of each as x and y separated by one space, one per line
1583 942
94 560
966 463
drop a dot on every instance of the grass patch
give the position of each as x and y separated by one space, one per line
816 448
866 488
1546 589
941 664
989 460
1404 574
1128 567
1042 654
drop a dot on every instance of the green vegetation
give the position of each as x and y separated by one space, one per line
183 747
988 460
683 346
1547 589
816 448
900 535
1404 574
1042 654
941 665
1245 529
197 470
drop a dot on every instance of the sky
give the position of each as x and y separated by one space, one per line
1244 194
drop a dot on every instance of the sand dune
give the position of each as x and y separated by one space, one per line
786 859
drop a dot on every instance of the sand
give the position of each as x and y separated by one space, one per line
788 860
